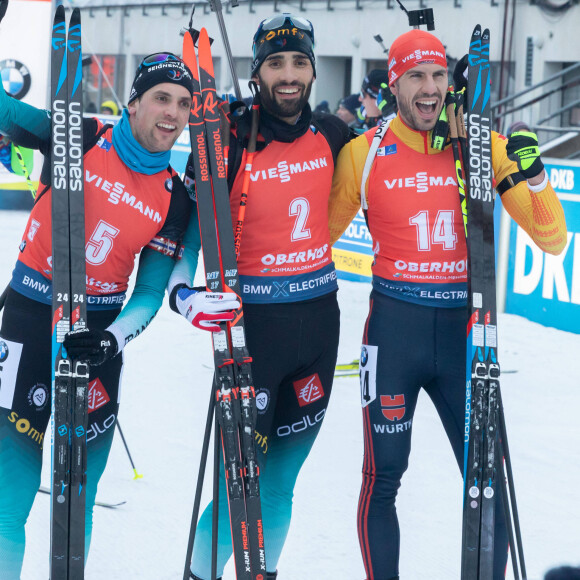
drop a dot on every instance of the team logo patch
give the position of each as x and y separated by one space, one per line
104 144
308 390
98 396
38 396
393 407
175 75
262 400
387 150
15 78
169 184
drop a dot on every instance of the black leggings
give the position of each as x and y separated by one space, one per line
407 347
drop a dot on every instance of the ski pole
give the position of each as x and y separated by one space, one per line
512 491
199 485
137 475
503 492
216 6
250 152
216 495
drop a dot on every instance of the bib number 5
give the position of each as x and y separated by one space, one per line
100 243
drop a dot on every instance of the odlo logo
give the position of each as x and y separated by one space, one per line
393 407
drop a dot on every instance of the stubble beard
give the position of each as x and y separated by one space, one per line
285 109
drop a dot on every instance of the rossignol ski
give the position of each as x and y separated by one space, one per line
70 378
235 397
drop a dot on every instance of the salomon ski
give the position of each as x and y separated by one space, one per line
70 380
235 397
480 473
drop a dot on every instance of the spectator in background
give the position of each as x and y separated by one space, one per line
347 110
369 93
563 573
517 126
322 107
109 108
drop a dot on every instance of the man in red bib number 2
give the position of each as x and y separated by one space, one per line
287 276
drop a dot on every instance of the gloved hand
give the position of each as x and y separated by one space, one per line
203 309
91 345
386 101
3 8
522 147
460 74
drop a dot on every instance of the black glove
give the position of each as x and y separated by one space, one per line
460 74
92 346
522 147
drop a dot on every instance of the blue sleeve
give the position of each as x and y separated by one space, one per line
184 270
24 124
152 277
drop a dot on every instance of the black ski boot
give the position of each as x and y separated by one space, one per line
271 575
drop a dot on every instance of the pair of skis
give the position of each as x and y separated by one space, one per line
235 402
70 378
485 435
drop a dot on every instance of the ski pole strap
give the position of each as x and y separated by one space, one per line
375 144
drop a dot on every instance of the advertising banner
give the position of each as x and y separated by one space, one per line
541 287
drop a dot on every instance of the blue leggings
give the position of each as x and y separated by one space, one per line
407 347
25 403
294 348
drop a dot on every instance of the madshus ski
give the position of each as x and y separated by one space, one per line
70 379
482 390
235 397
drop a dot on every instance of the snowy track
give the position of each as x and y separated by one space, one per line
163 409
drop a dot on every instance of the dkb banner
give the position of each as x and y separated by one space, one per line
541 287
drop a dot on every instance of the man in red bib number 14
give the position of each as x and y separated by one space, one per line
287 276
416 327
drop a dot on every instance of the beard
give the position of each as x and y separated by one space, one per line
283 109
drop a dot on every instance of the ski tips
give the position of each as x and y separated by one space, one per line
205 60
189 55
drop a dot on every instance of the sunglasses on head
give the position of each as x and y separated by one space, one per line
278 20
158 58
275 22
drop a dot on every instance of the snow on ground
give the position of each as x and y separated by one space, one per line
164 404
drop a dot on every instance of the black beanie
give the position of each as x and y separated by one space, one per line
154 70
286 38
371 84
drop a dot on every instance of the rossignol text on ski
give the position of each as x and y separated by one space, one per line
235 397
